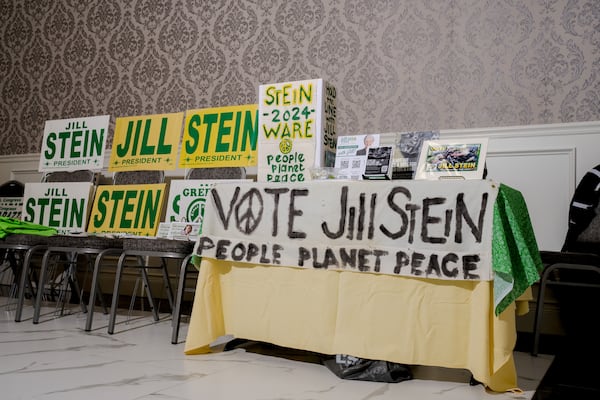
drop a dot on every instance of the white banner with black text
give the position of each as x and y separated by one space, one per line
426 229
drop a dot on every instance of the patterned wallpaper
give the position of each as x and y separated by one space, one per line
397 65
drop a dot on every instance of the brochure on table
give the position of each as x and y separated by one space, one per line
11 207
351 154
379 163
179 230
408 149
452 159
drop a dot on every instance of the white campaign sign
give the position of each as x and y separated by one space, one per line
74 143
424 229
11 207
187 198
61 205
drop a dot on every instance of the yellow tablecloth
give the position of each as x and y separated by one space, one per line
467 324
375 316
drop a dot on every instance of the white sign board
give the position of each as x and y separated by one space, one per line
185 207
440 230
61 205
74 143
11 207
187 198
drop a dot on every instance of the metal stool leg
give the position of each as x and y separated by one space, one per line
115 295
150 295
167 282
176 320
40 287
95 286
539 310
23 281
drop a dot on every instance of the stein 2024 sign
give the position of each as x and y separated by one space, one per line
438 230
296 129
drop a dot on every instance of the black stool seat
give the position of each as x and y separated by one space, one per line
161 245
25 239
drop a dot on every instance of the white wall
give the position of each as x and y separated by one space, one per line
544 162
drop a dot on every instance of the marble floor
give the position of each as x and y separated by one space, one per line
57 359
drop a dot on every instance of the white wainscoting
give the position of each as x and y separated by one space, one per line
544 162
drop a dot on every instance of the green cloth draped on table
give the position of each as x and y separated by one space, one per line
516 259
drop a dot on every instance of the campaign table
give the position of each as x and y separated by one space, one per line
415 320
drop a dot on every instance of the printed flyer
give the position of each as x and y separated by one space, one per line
351 155
379 163
11 207
452 159
408 149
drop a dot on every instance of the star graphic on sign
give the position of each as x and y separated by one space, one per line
188 159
